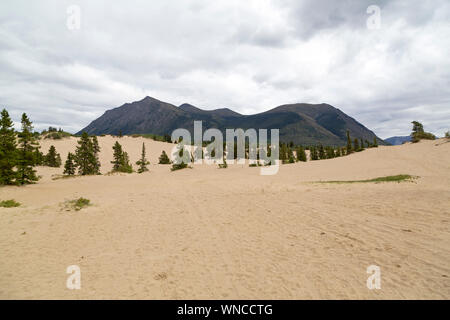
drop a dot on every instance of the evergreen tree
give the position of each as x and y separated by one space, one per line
375 143
283 153
8 150
39 157
85 157
69 166
163 158
142 163
121 162
330 152
26 159
96 150
314 155
356 145
322 154
362 145
52 158
338 152
349 143
301 154
290 155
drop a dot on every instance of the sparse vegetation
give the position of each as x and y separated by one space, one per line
77 204
418 133
396 178
9 203
447 134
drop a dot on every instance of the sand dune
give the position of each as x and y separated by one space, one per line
206 233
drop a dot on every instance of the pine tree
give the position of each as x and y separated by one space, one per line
313 155
375 143
96 150
121 162
290 155
163 158
69 166
85 157
322 154
337 152
283 153
142 163
301 154
349 143
39 157
356 145
126 166
118 156
52 158
330 152
362 145
8 150
26 159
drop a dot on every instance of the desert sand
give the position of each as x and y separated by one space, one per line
209 233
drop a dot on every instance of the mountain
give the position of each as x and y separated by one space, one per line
395 141
301 123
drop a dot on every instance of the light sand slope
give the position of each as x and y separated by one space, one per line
231 233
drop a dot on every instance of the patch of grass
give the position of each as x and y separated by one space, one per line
397 178
9 203
77 204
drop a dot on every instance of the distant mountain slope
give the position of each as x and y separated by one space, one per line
395 141
301 123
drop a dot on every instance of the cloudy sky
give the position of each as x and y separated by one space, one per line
249 56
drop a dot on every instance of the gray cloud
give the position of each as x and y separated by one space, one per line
246 55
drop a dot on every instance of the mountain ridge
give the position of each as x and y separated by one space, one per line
301 123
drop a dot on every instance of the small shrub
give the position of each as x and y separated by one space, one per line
163 158
9 203
447 134
178 166
77 204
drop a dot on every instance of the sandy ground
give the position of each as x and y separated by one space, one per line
208 233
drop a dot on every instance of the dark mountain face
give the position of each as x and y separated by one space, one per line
301 123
